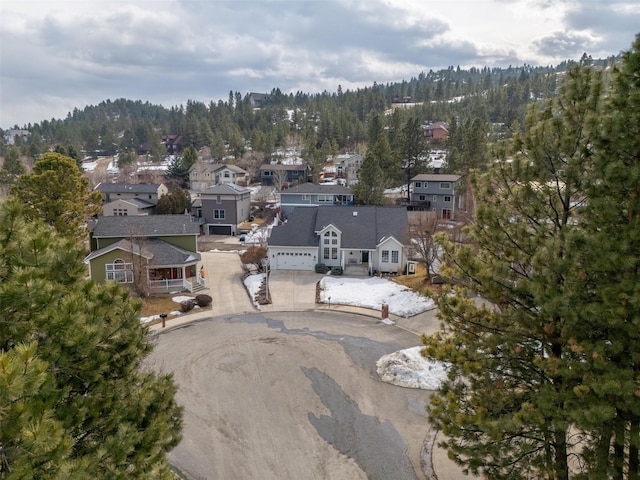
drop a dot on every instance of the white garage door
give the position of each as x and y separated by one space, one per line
294 261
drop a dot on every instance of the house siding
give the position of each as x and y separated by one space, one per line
428 192
98 265
390 245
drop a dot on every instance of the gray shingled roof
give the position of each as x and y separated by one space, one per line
226 189
284 166
159 252
299 231
148 225
320 189
362 231
128 188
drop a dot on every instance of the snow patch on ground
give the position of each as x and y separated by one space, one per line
252 283
408 368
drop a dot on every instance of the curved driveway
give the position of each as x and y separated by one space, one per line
288 395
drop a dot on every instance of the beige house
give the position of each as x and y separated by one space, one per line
126 207
205 175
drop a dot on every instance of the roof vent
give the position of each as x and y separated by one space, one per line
355 214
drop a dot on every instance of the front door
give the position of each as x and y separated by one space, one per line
365 256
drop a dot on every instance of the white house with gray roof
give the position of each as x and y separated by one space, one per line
369 237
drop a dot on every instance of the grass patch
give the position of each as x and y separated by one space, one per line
417 282
159 304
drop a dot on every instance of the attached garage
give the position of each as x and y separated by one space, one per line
220 230
292 258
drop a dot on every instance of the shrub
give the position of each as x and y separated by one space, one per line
187 305
203 300
336 270
321 268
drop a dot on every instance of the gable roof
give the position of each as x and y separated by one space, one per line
226 189
315 188
299 231
148 225
214 167
159 252
361 227
436 177
128 187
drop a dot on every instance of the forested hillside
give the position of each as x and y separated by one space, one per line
483 101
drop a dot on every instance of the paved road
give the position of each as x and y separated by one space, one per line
277 395
292 396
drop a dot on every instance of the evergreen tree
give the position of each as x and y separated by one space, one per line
372 179
74 401
414 151
12 168
610 268
175 202
513 389
57 193
178 169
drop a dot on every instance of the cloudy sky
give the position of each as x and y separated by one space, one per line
56 55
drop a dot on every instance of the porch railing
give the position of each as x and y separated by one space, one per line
177 284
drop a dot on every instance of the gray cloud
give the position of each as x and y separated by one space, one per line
169 51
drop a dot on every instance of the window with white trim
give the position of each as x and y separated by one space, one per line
418 184
394 256
447 199
445 185
326 253
334 253
119 271
385 256
218 214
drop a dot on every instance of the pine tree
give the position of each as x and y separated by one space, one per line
372 176
57 193
75 402
610 266
511 399
414 150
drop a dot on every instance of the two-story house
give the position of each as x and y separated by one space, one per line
158 251
205 175
280 174
437 192
347 167
369 238
313 195
222 207
139 198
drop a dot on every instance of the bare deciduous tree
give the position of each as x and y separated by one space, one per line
279 179
423 227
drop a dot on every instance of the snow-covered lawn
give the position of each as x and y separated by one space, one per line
372 293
